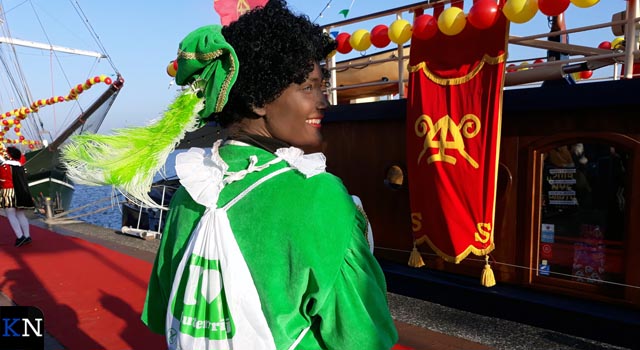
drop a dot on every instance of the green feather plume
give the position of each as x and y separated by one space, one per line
129 159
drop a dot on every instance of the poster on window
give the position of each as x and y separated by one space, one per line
561 189
589 255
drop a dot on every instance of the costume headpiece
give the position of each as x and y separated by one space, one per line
129 159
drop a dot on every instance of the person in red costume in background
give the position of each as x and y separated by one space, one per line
15 197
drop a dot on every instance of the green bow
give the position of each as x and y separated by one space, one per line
205 57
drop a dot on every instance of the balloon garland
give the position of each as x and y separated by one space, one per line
19 114
482 15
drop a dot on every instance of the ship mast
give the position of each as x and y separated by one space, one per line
49 47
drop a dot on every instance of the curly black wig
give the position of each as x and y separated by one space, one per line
14 153
275 48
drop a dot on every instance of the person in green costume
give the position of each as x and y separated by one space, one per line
262 248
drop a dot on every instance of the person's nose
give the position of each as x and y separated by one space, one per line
323 101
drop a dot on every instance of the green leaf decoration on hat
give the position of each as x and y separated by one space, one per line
129 159
205 57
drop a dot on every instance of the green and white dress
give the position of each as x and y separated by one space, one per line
265 251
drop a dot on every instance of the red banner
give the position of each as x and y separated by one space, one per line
454 108
230 10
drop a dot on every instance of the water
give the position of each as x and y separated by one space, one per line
110 199
109 218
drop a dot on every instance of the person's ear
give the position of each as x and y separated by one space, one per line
261 111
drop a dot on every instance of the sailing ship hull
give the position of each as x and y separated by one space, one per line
47 179
56 186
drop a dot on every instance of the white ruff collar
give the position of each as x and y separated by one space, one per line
205 175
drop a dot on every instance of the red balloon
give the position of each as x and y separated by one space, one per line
483 14
511 68
380 36
425 27
553 7
343 43
605 45
586 74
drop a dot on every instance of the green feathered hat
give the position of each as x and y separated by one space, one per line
205 56
129 159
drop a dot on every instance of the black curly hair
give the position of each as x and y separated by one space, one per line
275 48
14 153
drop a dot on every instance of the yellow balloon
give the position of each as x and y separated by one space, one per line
524 66
584 3
452 21
400 31
520 11
172 68
616 44
360 40
576 76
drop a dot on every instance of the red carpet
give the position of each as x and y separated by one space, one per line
91 296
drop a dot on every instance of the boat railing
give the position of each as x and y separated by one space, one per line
581 58
149 221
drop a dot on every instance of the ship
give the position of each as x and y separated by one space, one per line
566 199
29 119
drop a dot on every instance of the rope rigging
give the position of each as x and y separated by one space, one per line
20 92
94 34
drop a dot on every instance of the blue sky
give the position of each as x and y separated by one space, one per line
142 37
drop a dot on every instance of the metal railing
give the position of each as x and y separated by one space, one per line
154 217
584 58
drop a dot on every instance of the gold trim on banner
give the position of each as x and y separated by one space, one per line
459 80
461 256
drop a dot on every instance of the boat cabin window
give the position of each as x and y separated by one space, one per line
582 214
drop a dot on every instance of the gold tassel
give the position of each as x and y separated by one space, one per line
488 279
415 259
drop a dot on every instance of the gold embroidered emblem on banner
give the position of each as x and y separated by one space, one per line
445 135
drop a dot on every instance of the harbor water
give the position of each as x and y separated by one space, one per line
101 205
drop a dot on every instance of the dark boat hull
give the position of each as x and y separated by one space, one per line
363 141
47 179
54 185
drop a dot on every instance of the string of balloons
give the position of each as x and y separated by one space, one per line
482 15
12 119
